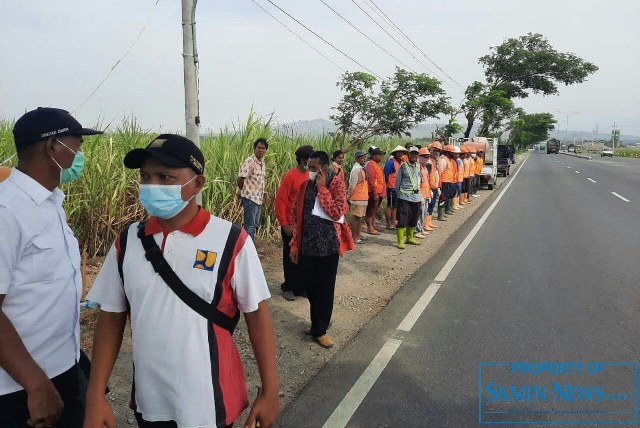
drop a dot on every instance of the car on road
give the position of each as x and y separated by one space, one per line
607 152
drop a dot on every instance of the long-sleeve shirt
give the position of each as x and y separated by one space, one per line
287 191
408 182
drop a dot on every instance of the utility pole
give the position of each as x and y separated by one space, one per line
190 60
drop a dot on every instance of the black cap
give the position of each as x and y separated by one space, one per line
47 122
171 150
377 151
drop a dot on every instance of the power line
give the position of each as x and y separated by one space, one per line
321 38
299 37
368 38
394 39
412 43
121 58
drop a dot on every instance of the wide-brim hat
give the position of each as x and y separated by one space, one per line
399 148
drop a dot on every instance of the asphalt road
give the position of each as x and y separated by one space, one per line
552 275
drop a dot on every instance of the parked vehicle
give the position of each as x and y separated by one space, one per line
503 156
553 146
489 174
607 152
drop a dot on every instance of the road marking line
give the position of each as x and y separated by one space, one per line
419 307
577 172
593 181
350 403
568 166
621 197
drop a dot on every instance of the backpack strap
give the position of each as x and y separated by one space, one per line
153 253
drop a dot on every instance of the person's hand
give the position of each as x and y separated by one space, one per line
288 229
264 410
293 256
321 178
99 413
44 404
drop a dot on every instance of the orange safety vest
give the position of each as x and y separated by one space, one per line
391 180
379 180
434 177
467 167
424 184
361 191
460 171
479 163
447 174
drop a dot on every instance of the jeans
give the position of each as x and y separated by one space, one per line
251 216
423 214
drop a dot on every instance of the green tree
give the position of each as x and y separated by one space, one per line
515 69
529 129
391 107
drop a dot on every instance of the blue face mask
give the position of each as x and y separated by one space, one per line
163 200
75 170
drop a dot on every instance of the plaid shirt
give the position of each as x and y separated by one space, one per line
253 171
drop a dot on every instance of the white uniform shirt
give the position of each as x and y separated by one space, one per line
39 274
172 352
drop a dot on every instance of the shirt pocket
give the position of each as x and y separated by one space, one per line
41 257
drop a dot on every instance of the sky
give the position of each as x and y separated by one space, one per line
55 53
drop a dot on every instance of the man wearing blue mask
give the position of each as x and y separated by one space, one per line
182 277
41 382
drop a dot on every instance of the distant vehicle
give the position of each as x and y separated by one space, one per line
503 160
553 146
607 152
571 148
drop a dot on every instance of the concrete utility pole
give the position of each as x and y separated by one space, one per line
190 59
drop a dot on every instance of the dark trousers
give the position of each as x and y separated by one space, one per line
72 387
160 424
291 282
319 274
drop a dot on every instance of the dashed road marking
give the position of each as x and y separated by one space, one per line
621 197
591 180
577 172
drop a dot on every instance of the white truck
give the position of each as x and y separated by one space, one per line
489 174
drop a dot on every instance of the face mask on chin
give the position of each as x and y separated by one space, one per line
72 173
313 175
163 200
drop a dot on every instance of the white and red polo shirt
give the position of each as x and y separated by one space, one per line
186 369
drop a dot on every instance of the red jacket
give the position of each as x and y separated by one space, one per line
287 191
334 202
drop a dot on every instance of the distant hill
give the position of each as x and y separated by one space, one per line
324 126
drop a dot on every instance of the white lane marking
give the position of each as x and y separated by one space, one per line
621 197
562 163
577 172
417 310
446 269
591 180
350 403
568 166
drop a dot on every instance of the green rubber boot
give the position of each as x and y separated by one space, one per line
400 235
441 216
410 239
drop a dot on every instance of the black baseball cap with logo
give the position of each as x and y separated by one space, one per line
46 122
171 150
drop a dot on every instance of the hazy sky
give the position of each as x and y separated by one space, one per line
56 52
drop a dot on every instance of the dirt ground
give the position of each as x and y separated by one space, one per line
368 277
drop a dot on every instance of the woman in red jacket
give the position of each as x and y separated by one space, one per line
320 236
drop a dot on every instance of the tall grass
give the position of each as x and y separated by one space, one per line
104 199
628 152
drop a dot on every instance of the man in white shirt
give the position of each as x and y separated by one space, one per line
41 383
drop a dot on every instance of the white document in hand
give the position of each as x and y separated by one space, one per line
319 212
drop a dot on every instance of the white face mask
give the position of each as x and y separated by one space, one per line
313 175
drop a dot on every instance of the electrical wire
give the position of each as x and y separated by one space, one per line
368 38
321 38
298 36
412 42
121 58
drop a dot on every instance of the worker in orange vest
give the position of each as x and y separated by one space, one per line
472 172
447 175
422 228
434 182
358 195
377 189
466 168
479 165
391 168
